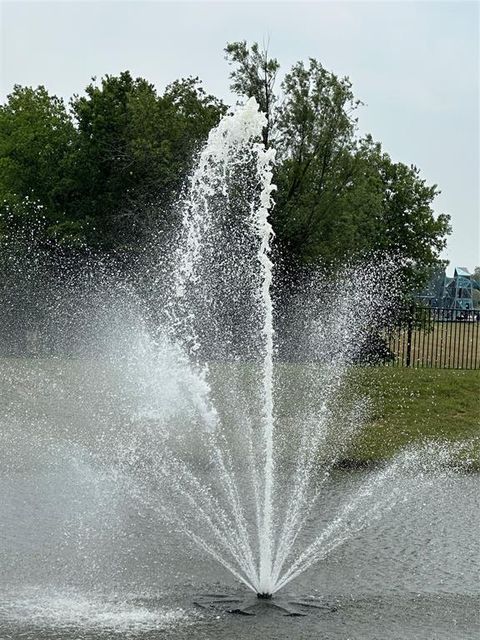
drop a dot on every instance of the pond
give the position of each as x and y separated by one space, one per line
81 557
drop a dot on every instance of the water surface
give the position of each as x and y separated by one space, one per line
80 558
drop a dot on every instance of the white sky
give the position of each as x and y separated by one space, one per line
414 64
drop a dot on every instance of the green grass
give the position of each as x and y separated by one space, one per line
413 405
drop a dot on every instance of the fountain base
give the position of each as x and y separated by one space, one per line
248 606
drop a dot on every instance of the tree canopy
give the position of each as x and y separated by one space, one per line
339 194
98 169
105 169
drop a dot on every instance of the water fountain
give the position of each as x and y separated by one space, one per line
220 306
189 416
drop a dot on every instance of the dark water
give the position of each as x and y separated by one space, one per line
79 559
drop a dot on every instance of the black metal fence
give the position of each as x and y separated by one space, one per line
435 338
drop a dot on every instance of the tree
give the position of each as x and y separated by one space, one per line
316 152
339 195
254 76
113 121
196 113
135 149
407 225
37 140
476 292
106 172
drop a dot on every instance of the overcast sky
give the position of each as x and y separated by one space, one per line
415 65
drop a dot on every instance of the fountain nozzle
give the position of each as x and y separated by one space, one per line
264 596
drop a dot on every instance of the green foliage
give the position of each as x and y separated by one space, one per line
107 170
104 172
196 111
115 153
135 148
408 226
339 195
36 146
316 127
254 76
476 292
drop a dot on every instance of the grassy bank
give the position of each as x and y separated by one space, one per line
411 405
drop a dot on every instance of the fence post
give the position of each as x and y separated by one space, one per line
409 335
